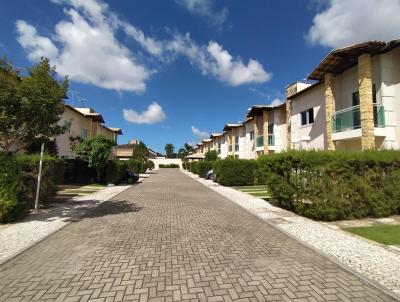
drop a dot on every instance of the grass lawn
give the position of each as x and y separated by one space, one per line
257 191
385 234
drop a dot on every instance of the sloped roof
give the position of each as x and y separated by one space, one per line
216 135
257 110
229 126
340 59
195 156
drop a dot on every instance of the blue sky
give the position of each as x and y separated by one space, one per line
171 71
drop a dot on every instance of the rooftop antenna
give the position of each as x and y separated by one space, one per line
73 93
81 102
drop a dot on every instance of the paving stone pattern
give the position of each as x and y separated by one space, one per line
172 239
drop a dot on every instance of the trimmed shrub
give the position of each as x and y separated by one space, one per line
168 166
137 166
211 155
52 174
235 172
334 185
77 171
150 165
12 206
203 167
115 171
184 165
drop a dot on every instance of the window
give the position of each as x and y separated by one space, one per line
252 135
236 140
219 148
271 128
307 117
355 98
84 133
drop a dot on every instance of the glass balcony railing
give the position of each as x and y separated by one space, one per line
350 118
260 141
379 116
271 140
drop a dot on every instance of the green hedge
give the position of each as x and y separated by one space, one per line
18 181
52 174
12 206
168 166
204 167
334 185
115 171
236 172
77 171
137 166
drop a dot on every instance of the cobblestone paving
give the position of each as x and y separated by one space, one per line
172 239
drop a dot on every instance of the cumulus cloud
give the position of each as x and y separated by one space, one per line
344 22
214 60
152 115
276 102
200 134
85 46
205 10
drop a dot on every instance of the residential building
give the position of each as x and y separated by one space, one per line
352 106
234 137
269 132
218 143
83 123
125 151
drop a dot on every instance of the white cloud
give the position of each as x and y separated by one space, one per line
36 45
200 134
214 60
277 102
204 9
87 49
344 22
152 115
84 46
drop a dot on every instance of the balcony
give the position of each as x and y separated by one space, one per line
230 148
236 147
349 120
260 141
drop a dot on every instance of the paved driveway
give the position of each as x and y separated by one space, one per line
172 239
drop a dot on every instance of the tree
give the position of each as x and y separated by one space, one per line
95 152
182 153
188 148
211 155
169 150
30 106
140 152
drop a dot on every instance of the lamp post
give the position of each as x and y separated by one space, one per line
39 178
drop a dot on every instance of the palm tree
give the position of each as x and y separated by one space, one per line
169 150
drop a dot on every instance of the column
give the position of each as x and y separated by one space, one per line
255 130
329 109
366 102
288 124
265 119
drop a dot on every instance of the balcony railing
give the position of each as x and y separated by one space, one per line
236 147
350 118
379 116
230 148
271 140
260 141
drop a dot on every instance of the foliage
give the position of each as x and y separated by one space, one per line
334 185
77 171
115 171
52 174
30 106
169 150
95 152
168 166
140 152
235 172
136 166
150 165
211 155
11 205
50 146
202 168
185 151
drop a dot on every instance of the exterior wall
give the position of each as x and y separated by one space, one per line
77 125
101 130
249 152
224 146
278 118
389 94
242 142
309 137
